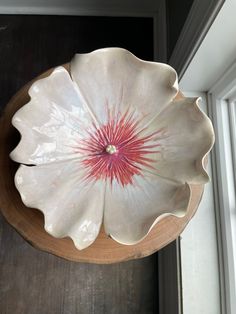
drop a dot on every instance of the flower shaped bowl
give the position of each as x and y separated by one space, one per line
107 142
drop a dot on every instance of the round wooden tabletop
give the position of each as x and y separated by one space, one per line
30 222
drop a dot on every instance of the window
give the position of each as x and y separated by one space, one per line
222 106
199 251
202 67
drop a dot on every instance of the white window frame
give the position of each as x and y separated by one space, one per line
221 104
199 251
207 73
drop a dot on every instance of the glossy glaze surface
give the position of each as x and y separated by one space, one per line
109 144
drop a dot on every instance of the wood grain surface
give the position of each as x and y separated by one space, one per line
34 282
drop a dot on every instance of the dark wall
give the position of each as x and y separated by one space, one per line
32 44
176 14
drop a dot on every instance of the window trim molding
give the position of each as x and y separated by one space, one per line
200 18
223 183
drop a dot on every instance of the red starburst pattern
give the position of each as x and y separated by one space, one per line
116 150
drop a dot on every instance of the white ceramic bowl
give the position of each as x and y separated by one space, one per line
108 143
